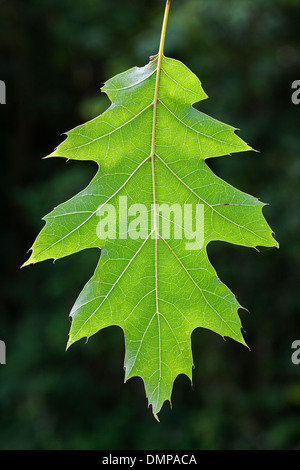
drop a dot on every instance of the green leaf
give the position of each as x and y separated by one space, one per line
151 146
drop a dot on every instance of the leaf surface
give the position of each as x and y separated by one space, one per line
150 146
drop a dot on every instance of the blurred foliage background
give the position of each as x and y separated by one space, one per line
55 55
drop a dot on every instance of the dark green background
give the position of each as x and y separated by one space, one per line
55 55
